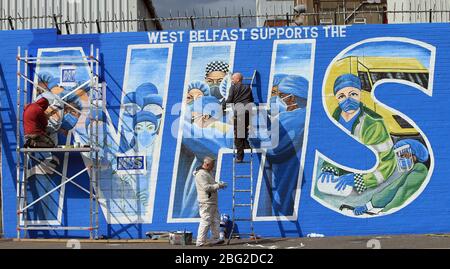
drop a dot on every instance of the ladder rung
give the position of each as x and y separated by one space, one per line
242 205
243 219
242 190
243 162
242 176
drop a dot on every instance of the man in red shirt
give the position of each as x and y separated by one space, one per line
35 121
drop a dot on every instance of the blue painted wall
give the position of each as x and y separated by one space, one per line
425 211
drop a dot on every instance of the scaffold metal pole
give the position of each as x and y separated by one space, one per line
97 157
91 170
18 166
22 206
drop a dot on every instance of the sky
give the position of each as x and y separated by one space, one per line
233 7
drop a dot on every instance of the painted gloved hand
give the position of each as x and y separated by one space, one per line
344 181
222 185
359 210
326 177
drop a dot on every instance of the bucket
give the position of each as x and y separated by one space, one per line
180 238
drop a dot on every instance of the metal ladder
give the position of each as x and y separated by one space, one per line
236 204
236 190
251 79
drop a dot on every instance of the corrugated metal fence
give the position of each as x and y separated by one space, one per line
419 10
75 16
85 16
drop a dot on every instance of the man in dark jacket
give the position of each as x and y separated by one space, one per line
35 121
241 97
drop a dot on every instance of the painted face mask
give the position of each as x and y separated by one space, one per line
145 134
349 104
215 90
69 121
281 103
276 106
404 158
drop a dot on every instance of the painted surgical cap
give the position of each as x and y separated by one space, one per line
146 116
417 148
139 96
146 89
347 80
277 79
207 105
133 98
53 83
197 84
152 99
45 77
295 85
216 66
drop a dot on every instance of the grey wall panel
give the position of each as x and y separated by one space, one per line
75 11
440 6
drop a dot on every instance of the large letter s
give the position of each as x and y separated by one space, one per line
404 158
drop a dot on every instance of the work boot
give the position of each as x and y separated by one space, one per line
218 242
202 244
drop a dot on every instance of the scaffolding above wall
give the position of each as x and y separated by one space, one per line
26 155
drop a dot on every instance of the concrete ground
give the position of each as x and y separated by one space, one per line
346 242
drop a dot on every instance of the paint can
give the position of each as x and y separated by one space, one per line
180 238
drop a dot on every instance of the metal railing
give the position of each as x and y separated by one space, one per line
242 20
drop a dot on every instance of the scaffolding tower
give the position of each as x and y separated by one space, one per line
25 64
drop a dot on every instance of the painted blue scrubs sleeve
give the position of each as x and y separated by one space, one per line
282 167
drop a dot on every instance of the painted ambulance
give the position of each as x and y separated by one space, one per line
372 69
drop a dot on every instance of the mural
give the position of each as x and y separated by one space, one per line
203 129
280 178
127 156
62 127
130 186
206 130
347 128
404 156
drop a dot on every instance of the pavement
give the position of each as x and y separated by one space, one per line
430 241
